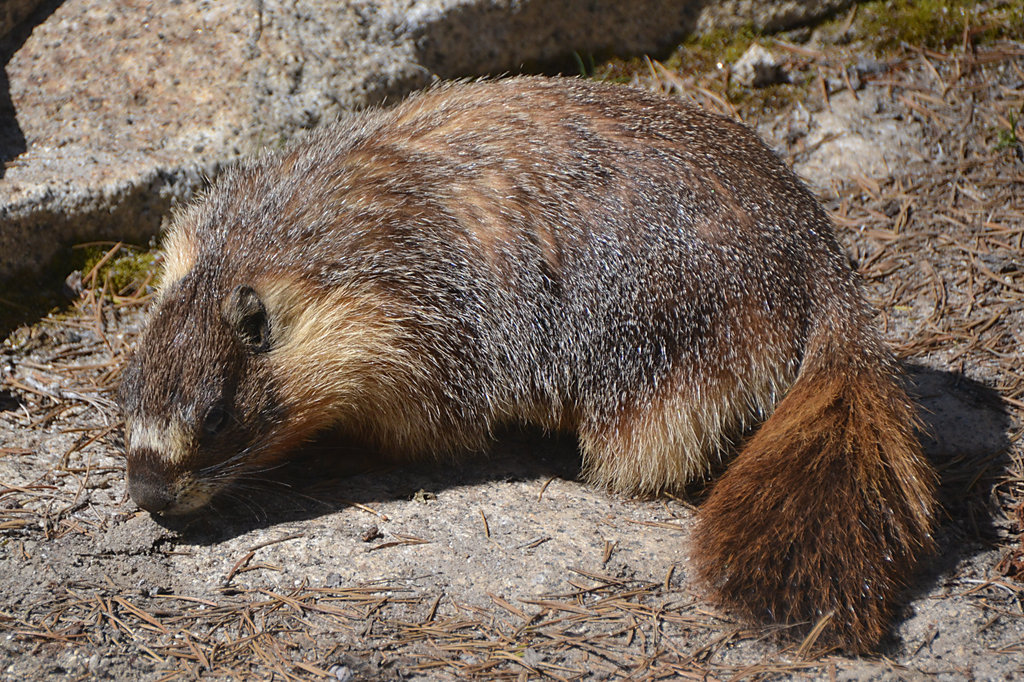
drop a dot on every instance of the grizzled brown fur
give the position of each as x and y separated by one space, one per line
564 253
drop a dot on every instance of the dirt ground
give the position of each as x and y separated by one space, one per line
507 566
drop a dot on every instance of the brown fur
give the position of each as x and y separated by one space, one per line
825 509
558 252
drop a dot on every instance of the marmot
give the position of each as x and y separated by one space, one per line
558 252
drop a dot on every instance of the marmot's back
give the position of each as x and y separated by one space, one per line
555 251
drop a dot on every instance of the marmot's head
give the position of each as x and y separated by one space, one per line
198 396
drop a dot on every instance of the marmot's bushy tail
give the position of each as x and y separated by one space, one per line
826 508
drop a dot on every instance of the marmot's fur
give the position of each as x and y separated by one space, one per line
565 253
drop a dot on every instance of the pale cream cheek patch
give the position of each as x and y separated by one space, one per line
168 441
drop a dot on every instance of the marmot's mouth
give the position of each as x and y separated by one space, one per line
186 506
151 490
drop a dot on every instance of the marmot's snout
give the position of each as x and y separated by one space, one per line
148 482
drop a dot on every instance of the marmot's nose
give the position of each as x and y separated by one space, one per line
147 483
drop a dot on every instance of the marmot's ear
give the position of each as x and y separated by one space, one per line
245 314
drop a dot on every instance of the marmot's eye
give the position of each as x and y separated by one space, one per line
216 419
